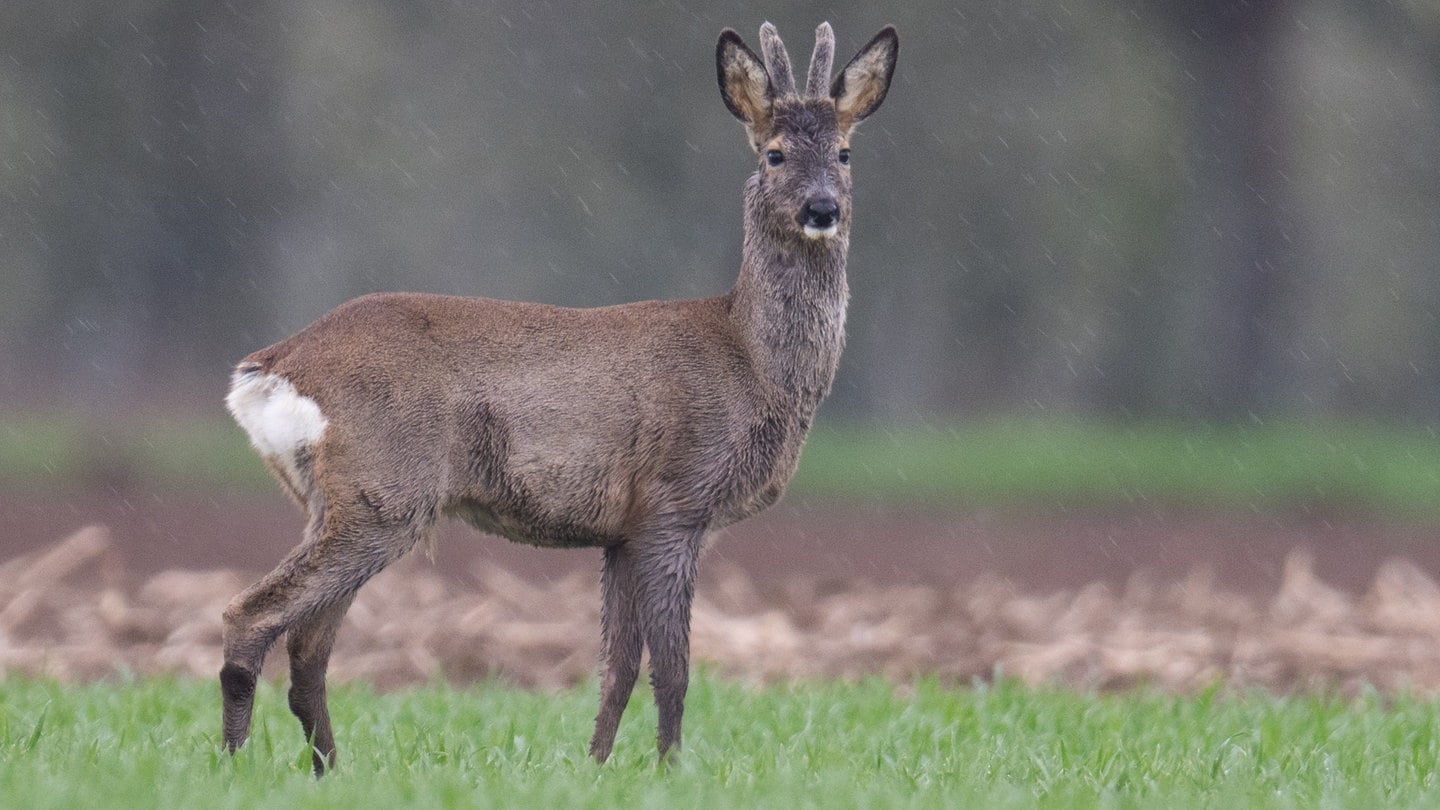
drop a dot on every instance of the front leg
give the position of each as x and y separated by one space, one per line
666 564
621 644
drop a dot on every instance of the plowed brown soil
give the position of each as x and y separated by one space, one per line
126 582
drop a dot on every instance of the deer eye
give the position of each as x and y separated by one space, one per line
844 157
774 157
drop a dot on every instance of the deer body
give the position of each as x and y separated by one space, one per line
636 428
547 425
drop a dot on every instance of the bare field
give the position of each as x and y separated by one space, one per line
1175 603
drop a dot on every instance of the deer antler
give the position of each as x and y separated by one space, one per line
817 83
777 61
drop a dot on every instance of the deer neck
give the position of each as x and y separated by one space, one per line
789 306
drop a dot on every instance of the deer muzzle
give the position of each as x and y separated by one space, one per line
821 218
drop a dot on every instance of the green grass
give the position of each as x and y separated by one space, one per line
153 744
1325 467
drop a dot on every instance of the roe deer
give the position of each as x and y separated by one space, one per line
635 428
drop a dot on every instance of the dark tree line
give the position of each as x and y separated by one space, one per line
1207 208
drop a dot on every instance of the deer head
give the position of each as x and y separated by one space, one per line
801 189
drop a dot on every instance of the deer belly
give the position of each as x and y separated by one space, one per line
526 526
551 478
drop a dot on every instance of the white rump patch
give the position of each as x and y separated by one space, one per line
281 422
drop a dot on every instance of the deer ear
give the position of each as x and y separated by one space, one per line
745 86
862 85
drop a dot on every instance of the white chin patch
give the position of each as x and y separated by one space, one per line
821 233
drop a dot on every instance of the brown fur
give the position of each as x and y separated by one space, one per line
636 428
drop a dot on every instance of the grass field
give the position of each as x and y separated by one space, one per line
1073 463
153 744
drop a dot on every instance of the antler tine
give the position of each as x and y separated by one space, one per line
777 61
817 83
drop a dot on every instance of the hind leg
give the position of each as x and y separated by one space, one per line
309 589
252 622
309 643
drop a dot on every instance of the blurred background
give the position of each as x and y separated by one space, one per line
1189 209
1122 259
1142 292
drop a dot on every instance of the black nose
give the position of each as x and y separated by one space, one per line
821 213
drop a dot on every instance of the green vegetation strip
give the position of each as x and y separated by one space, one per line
153 744
1325 467
1298 466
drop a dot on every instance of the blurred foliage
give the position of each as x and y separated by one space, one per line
67 452
1035 465
1175 209
1052 466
